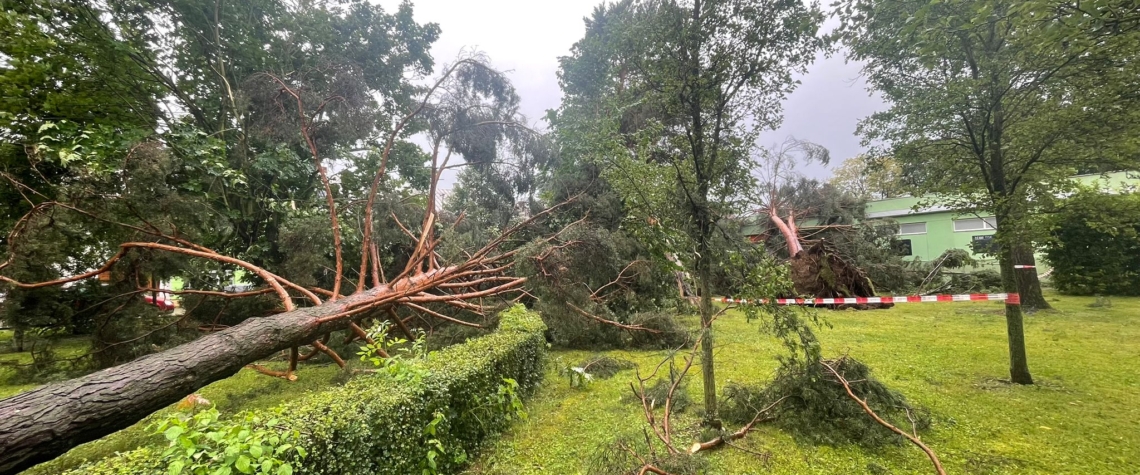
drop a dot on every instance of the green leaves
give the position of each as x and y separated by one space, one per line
1094 243
173 432
988 98
369 426
205 444
402 354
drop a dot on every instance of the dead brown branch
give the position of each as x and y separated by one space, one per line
621 280
610 322
212 293
442 316
913 438
664 430
727 439
286 375
306 126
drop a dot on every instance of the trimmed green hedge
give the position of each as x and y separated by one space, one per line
368 427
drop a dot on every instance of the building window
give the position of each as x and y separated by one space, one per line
984 244
912 228
902 247
974 224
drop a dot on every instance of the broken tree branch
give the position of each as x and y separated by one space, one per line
862 403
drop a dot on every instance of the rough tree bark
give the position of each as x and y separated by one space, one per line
1014 323
1006 212
708 373
1028 285
41 424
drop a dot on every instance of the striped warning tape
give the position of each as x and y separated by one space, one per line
1022 266
1013 299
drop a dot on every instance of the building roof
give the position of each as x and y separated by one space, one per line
910 205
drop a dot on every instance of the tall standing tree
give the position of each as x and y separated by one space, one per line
668 96
991 105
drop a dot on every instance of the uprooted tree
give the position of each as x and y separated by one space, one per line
786 199
468 109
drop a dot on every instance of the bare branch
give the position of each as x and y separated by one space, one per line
862 403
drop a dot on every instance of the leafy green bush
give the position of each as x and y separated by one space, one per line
1094 244
672 333
597 366
608 274
203 444
741 403
385 425
985 280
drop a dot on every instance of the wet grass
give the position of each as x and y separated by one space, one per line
14 381
1080 417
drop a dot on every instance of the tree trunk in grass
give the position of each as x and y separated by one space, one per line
708 373
704 276
41 424
18 338
1028 285
1007 211
1015 327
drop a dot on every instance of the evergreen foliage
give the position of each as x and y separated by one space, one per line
580 272
623 456
167 115
817 409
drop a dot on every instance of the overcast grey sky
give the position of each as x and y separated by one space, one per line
526 37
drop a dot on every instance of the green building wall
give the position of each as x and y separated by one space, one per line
940 234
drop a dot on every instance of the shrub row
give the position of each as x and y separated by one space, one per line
381 425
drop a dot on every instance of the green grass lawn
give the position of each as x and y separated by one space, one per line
1082 416
10 383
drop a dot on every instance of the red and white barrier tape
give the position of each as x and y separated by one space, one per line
1022 266
1013 299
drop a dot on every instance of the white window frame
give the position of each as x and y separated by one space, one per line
988 224
901 233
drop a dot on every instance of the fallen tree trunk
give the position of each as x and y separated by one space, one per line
41 424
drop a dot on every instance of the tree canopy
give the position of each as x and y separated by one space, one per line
667 97
991 105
